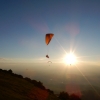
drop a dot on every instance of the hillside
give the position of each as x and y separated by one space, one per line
15 87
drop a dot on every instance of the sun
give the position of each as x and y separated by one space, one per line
70 59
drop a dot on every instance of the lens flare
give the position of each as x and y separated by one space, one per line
70 59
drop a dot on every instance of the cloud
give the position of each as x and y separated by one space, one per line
1 59
23 60
5 59
29 60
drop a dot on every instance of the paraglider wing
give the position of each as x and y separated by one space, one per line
49 62
48 38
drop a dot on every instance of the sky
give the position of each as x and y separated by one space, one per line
24 24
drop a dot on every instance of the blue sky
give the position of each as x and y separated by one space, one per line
76 27
24 23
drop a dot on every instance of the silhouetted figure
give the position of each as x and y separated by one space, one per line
47 56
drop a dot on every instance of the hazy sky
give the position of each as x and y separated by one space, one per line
24 23
76 28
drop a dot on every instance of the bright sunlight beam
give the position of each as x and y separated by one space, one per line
70 59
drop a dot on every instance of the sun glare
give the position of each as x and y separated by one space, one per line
70 59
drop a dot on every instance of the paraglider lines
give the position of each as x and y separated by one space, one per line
48 38
61 45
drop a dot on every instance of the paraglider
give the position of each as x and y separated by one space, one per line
49 62
48 38
47 56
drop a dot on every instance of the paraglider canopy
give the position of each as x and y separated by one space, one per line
49 62
48 37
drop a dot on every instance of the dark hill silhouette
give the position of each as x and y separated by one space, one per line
15 87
